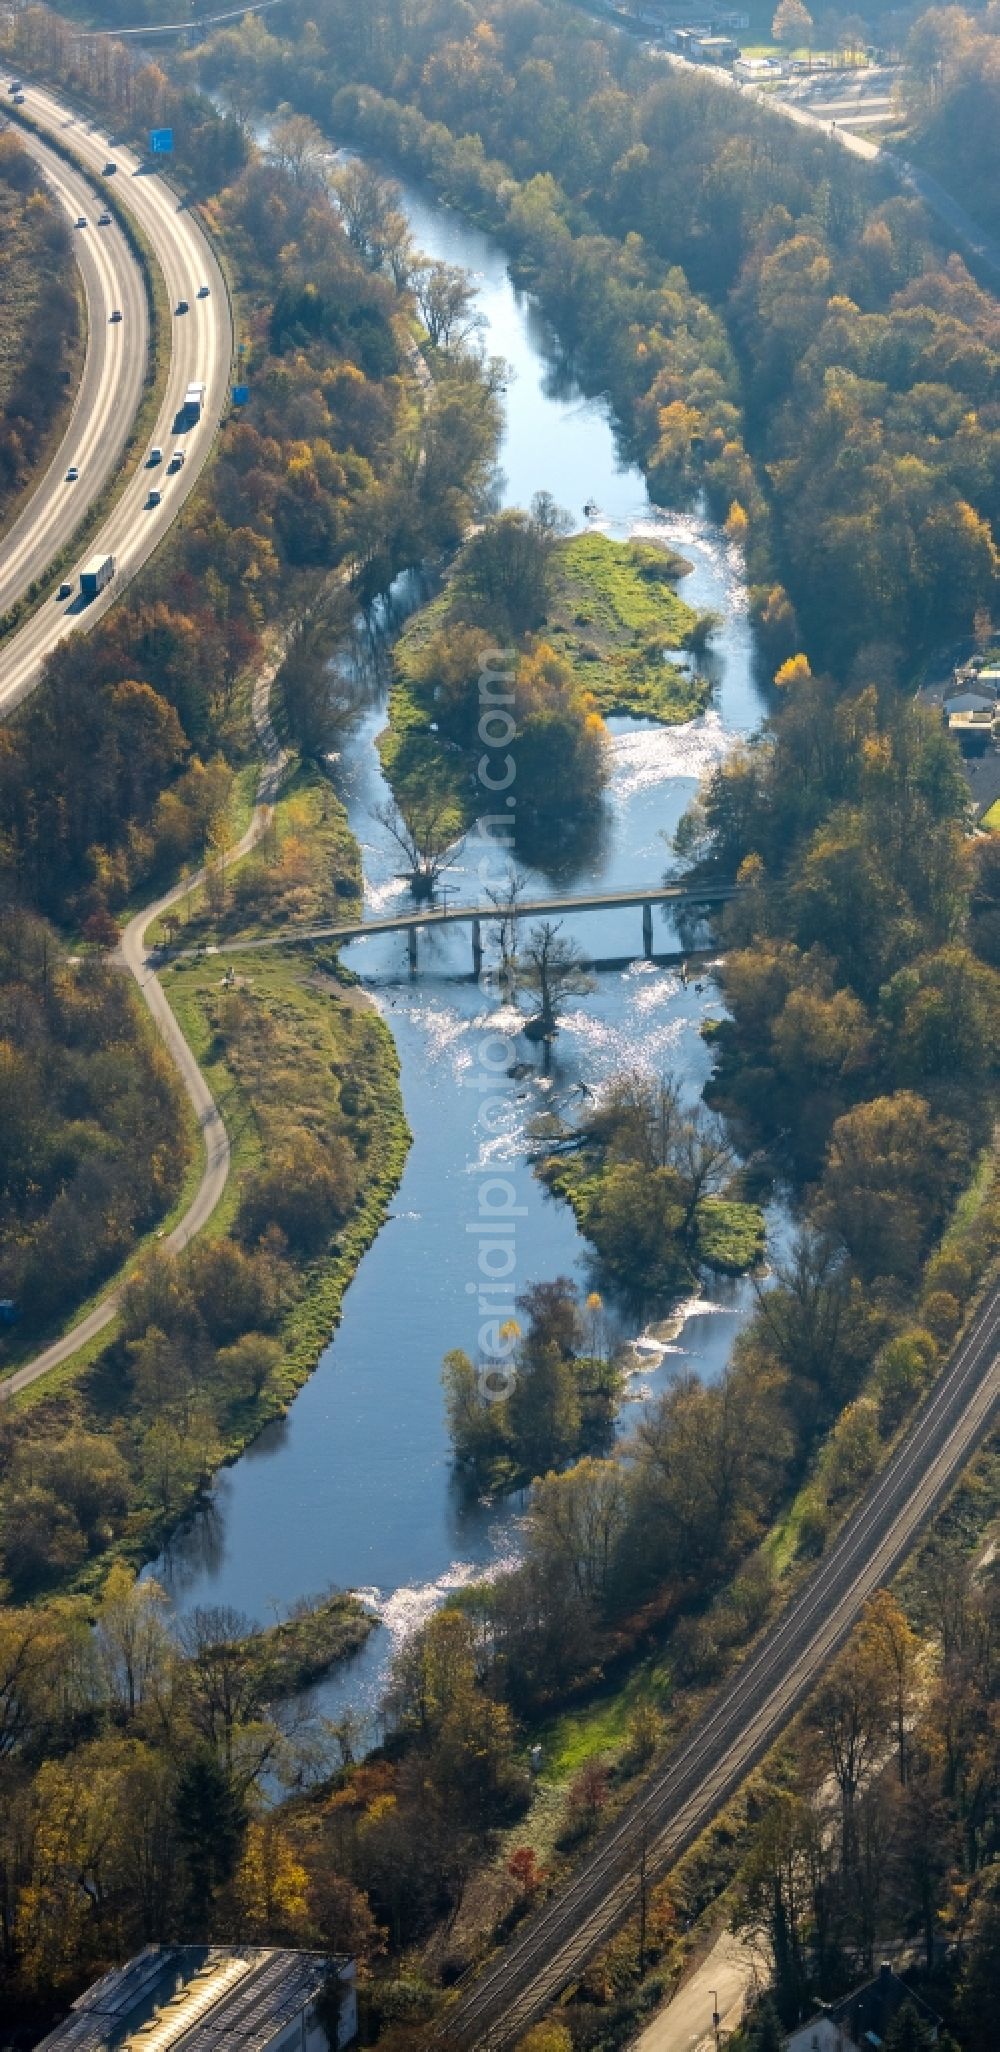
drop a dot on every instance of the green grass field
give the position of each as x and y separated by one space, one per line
616 619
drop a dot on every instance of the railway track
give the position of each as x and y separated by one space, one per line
680 1799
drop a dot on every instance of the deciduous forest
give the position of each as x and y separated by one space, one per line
782 336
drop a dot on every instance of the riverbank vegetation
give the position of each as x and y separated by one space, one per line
304 871
135 1752
214 1342
40 321
585 627
94 1140
550 1393
679 1547
734 281
654 1186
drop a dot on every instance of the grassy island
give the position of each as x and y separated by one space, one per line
655 1187
615 616
297 1652
588 627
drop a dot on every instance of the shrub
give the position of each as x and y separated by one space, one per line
942 1315
306 1189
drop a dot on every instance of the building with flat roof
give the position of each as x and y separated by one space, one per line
211 1998
757 70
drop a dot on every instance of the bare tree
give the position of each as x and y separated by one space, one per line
374 219
703 1156
553 967
506 900
297 146
426 840
446 298
639 1119
319 701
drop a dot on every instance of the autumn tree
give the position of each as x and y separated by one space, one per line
852 1712
892 1170
792 24
505 568
446 299
775 1895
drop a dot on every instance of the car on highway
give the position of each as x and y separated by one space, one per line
19 99
117 314
110 169
81 220
176 460
104 220
72 474
15 86
155 456
64 589
203 291
182 306
154 498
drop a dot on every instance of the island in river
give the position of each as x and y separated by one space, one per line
588 626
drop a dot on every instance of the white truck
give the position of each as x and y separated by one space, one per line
194 400
95 575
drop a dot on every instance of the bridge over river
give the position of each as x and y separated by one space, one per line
680 896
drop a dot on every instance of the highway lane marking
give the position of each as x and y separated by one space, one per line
186 258
63 516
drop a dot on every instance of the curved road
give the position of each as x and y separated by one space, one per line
138 959
201 351
109 390
680 1799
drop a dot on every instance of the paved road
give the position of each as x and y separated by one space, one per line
722 1981
940 202
138 960
947 208
109 390
679 1799
201 351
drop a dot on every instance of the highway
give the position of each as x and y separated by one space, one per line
109 390
201 352
682 1796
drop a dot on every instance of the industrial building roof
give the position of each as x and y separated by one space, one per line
193 1998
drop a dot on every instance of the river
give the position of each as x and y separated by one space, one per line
355 1487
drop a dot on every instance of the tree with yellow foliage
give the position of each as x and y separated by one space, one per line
546 2037
271 1888
795 671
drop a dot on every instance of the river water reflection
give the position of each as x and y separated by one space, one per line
355 1486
